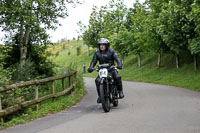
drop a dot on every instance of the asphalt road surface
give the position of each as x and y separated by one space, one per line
146 108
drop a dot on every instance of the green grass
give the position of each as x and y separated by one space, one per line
64 60
167 74
174 77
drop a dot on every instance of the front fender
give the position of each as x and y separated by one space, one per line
102 80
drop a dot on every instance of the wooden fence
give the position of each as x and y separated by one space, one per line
71 84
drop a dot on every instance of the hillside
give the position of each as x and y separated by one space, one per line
167 74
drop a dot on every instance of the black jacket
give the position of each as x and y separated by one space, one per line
104 57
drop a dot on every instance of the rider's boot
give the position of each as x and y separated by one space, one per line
98 91
121 94
98 99
120 87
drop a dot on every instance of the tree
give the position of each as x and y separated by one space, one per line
172 21
31 18
114 16
154 41
92 34
194 36
138 30
121 40
105 22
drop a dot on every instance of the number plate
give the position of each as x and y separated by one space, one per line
103 73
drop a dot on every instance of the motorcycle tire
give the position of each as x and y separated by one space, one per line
105 100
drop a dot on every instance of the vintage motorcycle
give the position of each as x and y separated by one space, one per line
108 87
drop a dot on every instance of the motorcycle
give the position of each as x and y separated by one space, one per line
108 87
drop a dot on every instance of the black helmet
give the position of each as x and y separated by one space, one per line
103 41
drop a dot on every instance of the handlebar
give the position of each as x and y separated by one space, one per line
109 69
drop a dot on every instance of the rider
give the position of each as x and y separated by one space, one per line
107 55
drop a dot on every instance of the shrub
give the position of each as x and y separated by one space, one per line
78 49
5 74
25 73
37 56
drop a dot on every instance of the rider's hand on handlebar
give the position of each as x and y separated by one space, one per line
90 70
119 67
112 67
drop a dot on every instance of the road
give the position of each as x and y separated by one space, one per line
146 108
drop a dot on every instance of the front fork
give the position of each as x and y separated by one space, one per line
107 89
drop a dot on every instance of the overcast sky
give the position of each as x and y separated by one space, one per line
80 13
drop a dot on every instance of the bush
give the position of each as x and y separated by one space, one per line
64 46
25 73
36 55
78 49
5 74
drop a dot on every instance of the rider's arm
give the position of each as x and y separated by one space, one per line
117 59
93 62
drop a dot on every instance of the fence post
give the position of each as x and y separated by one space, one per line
72 79
63 83
36 97
84 68
1 119
52 87
69 81
75 74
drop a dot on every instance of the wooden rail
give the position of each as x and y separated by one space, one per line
71 80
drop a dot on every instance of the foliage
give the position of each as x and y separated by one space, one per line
5 74
194 41
122 40
154 41
40 57
171 22
37 65
28 20
105 22
78 49
91 35
25 73
113 16
157 25
38 14
138 21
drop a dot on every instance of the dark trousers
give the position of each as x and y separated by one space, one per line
116 77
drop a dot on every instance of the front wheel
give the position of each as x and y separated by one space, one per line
104 97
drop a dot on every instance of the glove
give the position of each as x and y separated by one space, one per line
90 70
119 67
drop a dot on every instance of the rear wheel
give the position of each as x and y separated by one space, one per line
105 100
